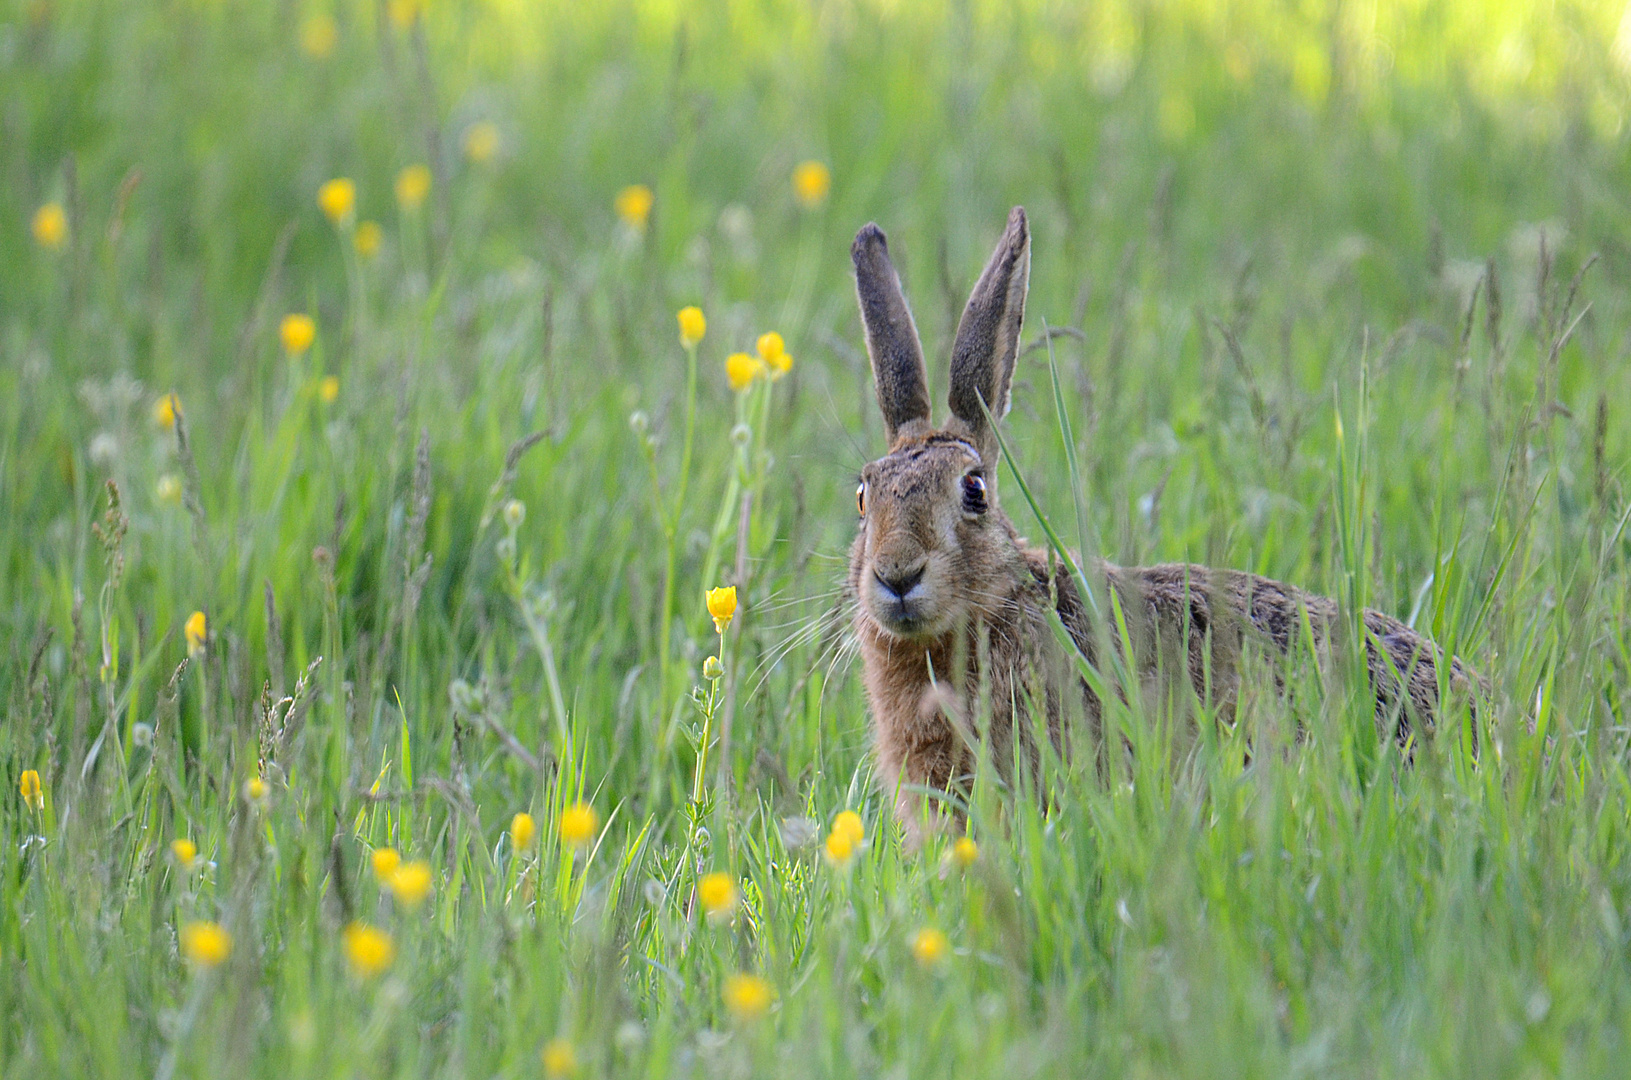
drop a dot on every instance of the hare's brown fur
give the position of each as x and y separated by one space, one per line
952 606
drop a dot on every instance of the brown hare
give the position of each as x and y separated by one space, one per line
951 605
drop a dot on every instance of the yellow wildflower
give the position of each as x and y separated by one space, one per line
205 944
849 823
718 894
367 239
51 226
169 489
811 182
481 142
185 853
929 946
337 199
839 850
318 36
410 883
633 204
770 347
741 369
404 13
256 791
195 632
33 794
297 331
693 325
964 852
722 606
368 949
560 1059
328 389
579 822
384 861
165 411
515 512
412 186
523 830
747 997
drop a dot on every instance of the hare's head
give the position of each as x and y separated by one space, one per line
934 546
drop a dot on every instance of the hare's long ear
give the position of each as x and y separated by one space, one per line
987 344
891 336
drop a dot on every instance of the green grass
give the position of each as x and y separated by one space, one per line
1315 277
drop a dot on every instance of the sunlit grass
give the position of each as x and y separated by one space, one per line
416 664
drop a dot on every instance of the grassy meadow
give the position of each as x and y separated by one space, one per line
1335 292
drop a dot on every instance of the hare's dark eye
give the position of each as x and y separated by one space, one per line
860 499
974 494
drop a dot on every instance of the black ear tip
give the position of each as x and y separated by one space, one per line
868 239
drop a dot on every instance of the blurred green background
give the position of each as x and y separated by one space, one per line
1337 293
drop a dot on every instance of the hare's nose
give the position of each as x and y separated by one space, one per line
898 582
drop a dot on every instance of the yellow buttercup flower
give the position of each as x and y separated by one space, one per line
747 997
384 861
297 331
328 389
412 186
579 822
256 791
368 950
51 226
318 36
410 883
367 239
205 944
929 946
633 204
185 853
773 351
33 794
560 1060
195 632
722 606
165 411
849 823
839 850
693 325
337 199
717 893
741 369
964 852
811 182
169 489
404 13
523 830
481 142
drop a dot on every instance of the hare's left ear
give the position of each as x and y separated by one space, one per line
987 344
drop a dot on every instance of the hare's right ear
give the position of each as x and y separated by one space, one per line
891 336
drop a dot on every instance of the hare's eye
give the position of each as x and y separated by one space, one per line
860 499
974 494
